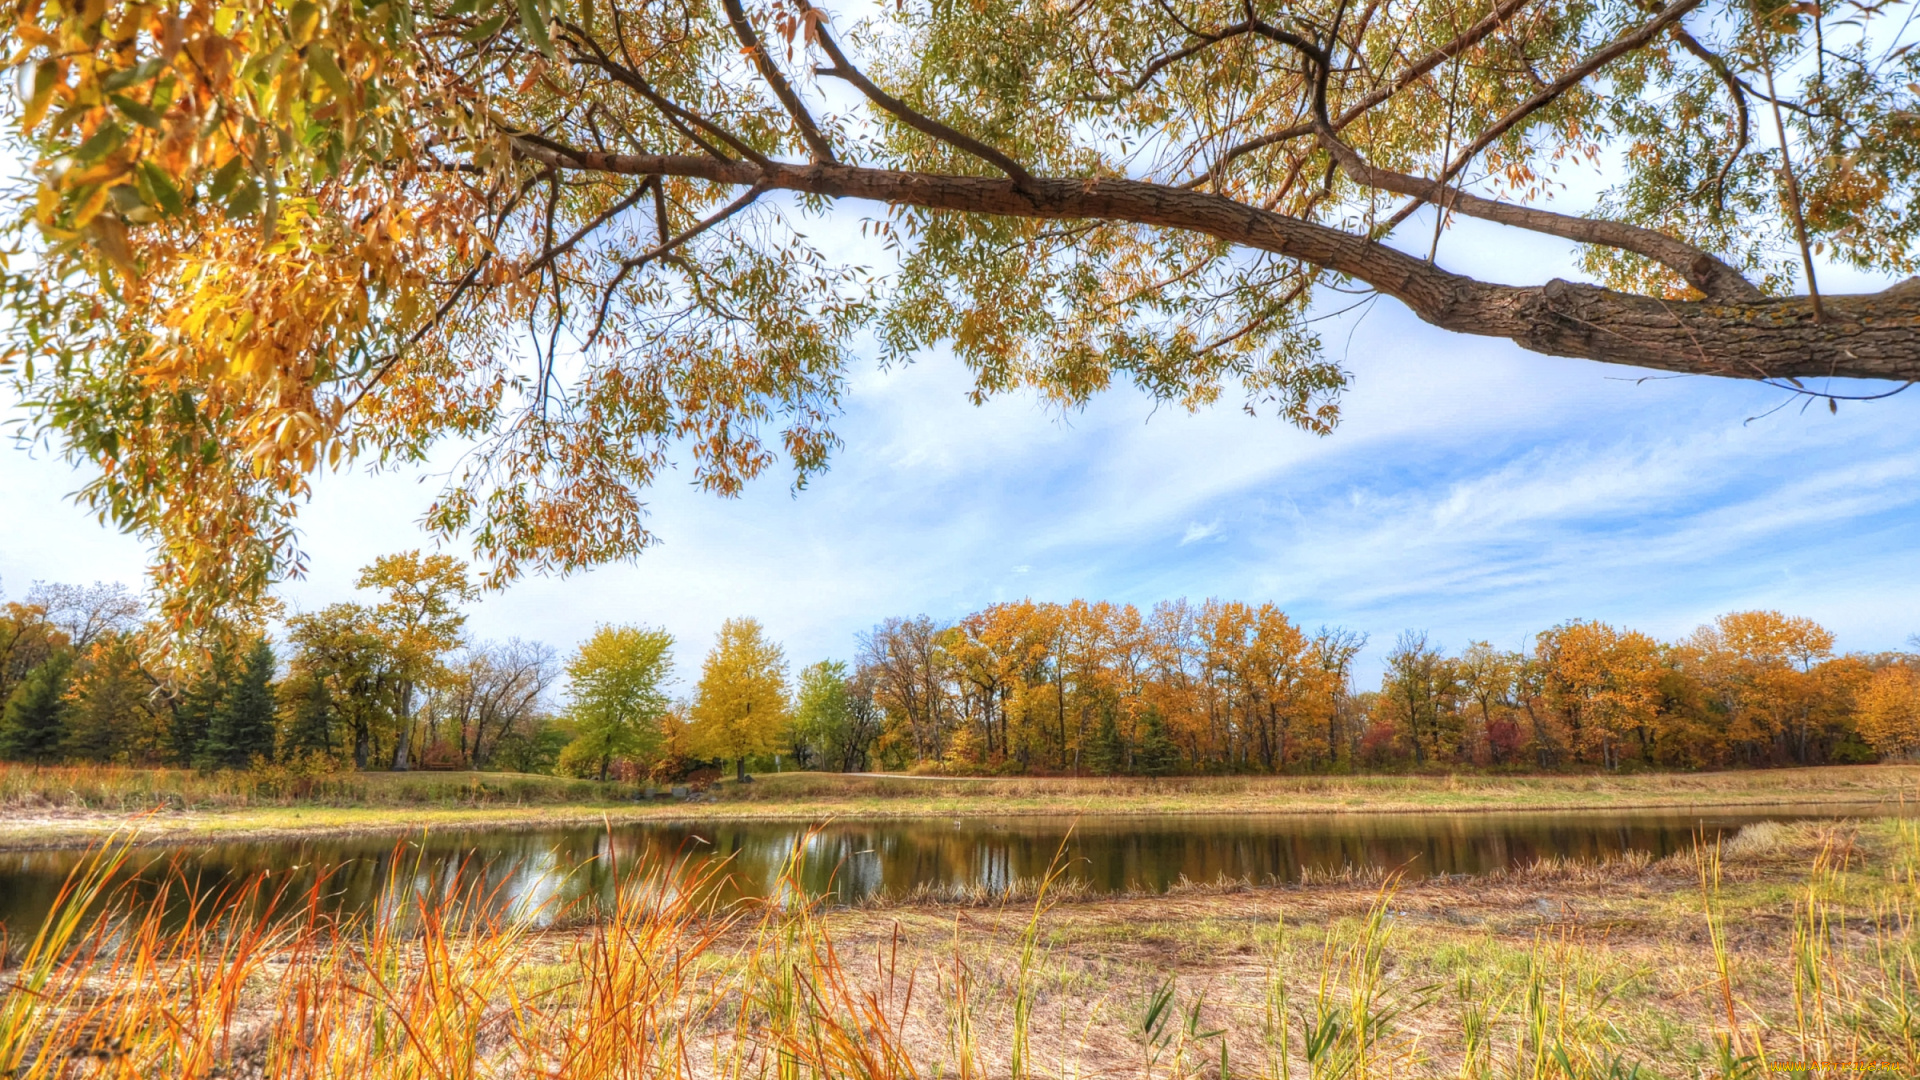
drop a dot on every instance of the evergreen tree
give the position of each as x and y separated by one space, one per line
33 724
309 726
204 698
108 718
241 727
1107 752
1157 755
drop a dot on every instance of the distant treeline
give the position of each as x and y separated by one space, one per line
1077 688
1222 686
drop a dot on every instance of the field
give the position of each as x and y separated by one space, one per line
79 805
1792 944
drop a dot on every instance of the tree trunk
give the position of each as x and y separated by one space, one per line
740 769
403 740
1869 336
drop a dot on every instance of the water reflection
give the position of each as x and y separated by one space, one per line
547 874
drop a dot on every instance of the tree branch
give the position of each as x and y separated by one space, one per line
1735 92
582 233
1572 77
817 144
913 118
1702 270
1875 336
1473 35
676 115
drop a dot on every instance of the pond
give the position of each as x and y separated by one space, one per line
548 873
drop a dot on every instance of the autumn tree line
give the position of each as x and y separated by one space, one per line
392 681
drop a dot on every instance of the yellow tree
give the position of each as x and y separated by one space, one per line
1889 711
1606 682
1760 667
420 617
1486 681
617 693
741 707
1179 687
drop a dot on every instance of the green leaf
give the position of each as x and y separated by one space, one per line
536 24
133 76
246 200
303 19
102 142
320 59
45 77
144 115
485 30
126 198
165 195
228 175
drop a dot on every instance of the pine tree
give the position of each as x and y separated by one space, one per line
34 721
204 698
309 727
1157 755
241 727
107 719
1106 753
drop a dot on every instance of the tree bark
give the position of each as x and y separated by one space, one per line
1869 336
403 740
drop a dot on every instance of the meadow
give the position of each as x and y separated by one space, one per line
76 805
1786 945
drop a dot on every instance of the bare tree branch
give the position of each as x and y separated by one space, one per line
1473 35
677 115
1735 92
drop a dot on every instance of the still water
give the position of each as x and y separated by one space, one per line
550 873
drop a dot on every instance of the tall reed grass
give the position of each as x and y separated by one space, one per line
118 789
660 982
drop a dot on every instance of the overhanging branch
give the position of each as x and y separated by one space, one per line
1873 336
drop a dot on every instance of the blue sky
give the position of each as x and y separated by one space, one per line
1474 491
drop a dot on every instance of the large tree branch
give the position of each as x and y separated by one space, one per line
1714 278
1874 336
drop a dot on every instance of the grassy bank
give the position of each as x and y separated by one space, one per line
1793 944
68 806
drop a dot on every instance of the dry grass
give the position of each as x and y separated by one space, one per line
79 805
26 789
1789 943
1320 794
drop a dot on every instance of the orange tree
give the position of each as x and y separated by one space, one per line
262 237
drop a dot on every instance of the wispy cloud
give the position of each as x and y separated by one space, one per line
1197 532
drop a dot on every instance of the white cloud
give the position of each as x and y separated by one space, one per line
1197 532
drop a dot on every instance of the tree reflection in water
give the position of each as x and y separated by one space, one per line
561 873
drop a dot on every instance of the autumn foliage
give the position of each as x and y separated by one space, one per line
1223 686
579 242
